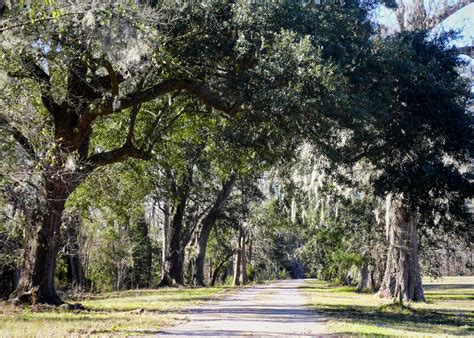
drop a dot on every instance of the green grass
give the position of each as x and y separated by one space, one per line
448 310
110 313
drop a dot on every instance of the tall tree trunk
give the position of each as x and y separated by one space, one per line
215 274
402 279
75 269
174 254
201 243
373 281
166 230
243 258
36 283
225 273
238 261
206 227
364 277
210 268
173 266
237 268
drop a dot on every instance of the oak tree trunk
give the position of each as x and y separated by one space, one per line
206 227
36 284
237 268
166 229
402 279
238 261
215 274
243 259
364 277
201 256
173 265
75 269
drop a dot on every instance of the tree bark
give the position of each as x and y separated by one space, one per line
215 274
238 261
237 268
166 229
206 227
36 284
243 259
75 269
174 254
173 266
364 277
402 279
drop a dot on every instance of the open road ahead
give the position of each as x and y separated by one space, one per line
277 309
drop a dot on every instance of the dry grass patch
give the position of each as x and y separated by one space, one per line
448 311
142 312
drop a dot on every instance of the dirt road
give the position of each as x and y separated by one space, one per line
276 309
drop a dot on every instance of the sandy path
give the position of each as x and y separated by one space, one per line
277 309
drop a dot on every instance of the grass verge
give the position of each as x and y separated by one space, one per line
448 310
142 312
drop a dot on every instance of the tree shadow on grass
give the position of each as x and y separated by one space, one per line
420 320
434 286
164 292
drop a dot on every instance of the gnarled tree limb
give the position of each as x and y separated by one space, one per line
127 150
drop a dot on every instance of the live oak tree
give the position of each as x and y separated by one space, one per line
420 149
72 68
68 63
194 174
339 40
175 172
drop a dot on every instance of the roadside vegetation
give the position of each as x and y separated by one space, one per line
448 310
133 312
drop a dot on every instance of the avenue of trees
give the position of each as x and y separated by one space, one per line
182 143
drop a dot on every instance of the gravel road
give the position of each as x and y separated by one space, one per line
272 310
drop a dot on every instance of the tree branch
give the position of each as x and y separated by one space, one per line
131 126
466 50
110 105
19 137
191 86
449 10
114 82
33 70
127 150
35 21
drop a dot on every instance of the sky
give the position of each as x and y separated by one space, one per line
462 20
